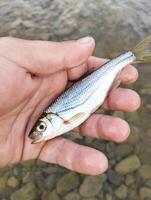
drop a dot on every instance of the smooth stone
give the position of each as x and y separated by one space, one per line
121 192
89 140
17 170
12 182
148 106
107 188
28 191
145 193
50 196
133 193
144 150
145 171
93 198
3 181
28 163
110 146
113 161
51 169
133 118
50 181
148 132
29 177
72 196
123 150
101 195
129 180
40 163
134 137
145 91
128 165
148 183
115 178
39 180
92 185
67 183
100 145
119 114
108 197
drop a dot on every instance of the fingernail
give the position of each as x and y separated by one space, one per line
85 40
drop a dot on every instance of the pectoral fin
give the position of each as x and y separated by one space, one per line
75 118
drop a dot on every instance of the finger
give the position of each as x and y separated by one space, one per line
76 72
105 127
127 76
45 57
74 156
123 100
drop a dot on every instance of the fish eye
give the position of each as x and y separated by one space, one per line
41 126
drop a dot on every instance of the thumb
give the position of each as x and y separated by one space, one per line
44 57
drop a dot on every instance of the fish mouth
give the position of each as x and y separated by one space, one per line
35 136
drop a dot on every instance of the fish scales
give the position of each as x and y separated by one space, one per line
79 92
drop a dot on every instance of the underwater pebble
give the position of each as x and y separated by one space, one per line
145 171
108 197
50 181
92 185
123 150
3 181
67 183
148 183
134 137
28 191
119 114
129 180
72 196
145 91
92 198
28 163
50 196
115 178
128 165
145 193
12 182
121 192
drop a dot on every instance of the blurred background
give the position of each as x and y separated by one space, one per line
116 25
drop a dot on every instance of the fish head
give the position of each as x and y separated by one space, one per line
46 128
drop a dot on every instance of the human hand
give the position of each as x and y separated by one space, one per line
32 75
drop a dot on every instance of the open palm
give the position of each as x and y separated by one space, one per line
32 75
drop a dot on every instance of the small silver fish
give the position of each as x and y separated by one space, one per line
84 97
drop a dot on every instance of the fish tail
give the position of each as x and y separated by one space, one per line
142 51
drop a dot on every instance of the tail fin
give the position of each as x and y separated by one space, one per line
142 51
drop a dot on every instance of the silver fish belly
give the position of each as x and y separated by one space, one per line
83 98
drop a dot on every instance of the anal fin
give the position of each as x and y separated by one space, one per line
116 81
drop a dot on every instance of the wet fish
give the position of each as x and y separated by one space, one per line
84 97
